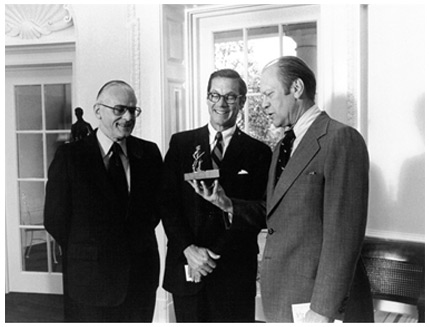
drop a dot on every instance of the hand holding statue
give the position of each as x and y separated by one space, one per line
215 194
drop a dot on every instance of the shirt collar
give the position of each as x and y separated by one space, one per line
305 121
226 134
106 144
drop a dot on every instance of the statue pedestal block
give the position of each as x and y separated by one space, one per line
202 175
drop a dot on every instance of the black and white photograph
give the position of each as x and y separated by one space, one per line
214 163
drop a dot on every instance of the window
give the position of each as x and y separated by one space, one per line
246 39
247 51
43 121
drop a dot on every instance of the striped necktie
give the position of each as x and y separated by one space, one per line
284 152
217 151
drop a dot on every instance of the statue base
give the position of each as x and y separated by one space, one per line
202 175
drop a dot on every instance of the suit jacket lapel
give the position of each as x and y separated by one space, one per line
271 175
233 151
304 153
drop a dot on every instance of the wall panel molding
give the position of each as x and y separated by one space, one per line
343 64
175 41
133 34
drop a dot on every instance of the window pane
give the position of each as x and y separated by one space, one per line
260 126
34 250
32 197
263 46
53 141
28 101
58 106
301 40
30 156
229 50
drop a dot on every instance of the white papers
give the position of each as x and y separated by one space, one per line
300 309
187 275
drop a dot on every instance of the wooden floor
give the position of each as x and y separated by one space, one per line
28 307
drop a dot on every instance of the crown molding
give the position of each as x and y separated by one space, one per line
39 54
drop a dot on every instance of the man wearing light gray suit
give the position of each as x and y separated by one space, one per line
316 206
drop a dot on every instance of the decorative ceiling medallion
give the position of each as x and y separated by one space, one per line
34 21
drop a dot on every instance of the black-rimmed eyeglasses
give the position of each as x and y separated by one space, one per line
120 110
229 98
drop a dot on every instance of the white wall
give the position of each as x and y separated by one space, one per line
107 49
102 52
396 120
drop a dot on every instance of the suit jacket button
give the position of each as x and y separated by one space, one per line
270 231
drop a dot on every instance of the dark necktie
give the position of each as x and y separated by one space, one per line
217 151
284 153
117 173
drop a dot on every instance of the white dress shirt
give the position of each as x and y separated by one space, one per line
303 124
226 137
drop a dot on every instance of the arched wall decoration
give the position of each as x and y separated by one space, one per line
35 21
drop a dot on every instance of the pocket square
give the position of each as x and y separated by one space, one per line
243 172
312 173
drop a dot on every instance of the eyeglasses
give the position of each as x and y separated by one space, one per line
229 98
120 110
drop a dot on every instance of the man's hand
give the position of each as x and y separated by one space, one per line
215 194
201 261
312 316
196 276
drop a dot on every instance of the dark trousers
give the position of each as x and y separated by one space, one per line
219 305
138 306
133 309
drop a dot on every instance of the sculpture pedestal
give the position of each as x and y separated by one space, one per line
202 175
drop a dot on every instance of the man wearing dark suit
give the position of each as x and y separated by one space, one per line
101 208
316 206
221 261
80 128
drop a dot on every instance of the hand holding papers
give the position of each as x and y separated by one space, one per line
200 262
303 314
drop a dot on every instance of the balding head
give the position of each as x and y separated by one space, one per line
106 88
